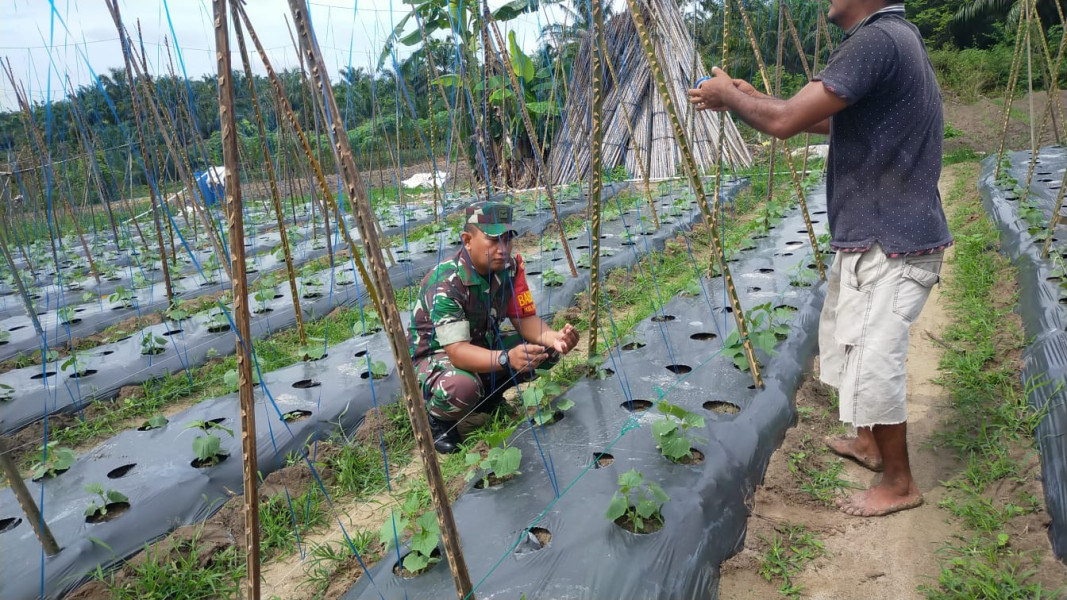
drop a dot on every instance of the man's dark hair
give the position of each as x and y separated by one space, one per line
471 228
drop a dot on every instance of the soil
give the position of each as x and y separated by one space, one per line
888 557
980 124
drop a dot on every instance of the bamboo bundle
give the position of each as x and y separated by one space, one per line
653 140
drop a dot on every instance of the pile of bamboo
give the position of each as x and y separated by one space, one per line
637 133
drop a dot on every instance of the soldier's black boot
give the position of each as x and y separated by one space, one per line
445 435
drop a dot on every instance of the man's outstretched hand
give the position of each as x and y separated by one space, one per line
566 339
712 92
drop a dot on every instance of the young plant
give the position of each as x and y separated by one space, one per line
553 278
315 349
56 460
379 370
154 422
672 434
501 462
368 323
537 399
5 336
153 344
175 313
425 534
264 292
123 296
6 392
66 315
207 447
98 512
637 506
217 322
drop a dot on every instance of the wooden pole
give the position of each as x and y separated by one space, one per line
235 216
597 175
27 303
390 314
25 500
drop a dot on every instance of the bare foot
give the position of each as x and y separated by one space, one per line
854 449
880 501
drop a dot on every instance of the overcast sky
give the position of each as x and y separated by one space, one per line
37 39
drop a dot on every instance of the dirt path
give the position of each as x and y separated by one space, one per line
870 558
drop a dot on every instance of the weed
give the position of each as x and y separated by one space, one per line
791 548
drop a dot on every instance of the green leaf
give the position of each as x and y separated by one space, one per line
616 508
92 509
507 461
115 496
427 521
532 396
231 379
676 447
565 404
386 534
631 479
424 543
646 508
658 493
664 428
513 9
206 447
95 488
741 362
415 562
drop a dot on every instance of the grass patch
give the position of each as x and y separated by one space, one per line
790 549
993 423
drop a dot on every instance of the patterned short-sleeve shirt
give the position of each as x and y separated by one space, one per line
457 304
885 146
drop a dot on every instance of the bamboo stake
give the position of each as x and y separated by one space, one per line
90 149
1013 78
24 295
25 500
532 134
235 215
698 188
390 314
776 92
596 175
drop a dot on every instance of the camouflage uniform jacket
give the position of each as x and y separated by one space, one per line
457 304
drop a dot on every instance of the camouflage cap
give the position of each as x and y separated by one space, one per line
493 218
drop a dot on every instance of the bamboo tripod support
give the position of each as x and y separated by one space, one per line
698 186
235 217
272 179
532 134
320 178
390 314
798 188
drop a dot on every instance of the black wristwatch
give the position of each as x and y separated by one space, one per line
502 360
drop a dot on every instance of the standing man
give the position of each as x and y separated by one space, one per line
462 361
879 101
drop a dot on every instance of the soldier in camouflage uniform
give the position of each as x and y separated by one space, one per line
462 361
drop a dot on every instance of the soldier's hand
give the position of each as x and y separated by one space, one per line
566 340
526 357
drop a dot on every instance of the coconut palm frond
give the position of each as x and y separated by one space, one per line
976 9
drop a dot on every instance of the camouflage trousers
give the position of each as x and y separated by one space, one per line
454 394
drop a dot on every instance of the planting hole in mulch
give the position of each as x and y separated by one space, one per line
114 511
754 289
794 244
543 535
304 384
723 408
556 417
679 369
119 472
83 373
400 571
633 345
360 354
650 525
491 480
703 336
219 328
786 307
636 406
812 266
10 523
17 327
366 375
765 270
728 309
210 462
105 352
582 247
533 272
662 318
296 415
602 459
43 375
695 457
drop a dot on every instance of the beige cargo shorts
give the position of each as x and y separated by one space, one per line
871 302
